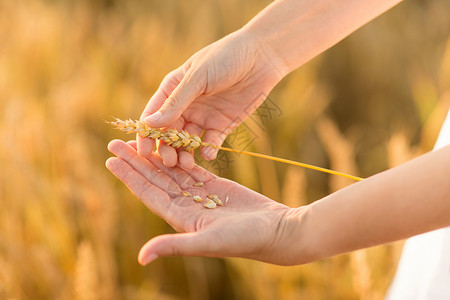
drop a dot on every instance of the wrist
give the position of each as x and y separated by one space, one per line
294 238
258 44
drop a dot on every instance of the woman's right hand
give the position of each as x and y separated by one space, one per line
212 93
248 224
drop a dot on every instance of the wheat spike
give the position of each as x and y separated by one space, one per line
169 136
192 141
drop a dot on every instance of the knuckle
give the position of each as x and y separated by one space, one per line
174 250
196 79
173 101
174 74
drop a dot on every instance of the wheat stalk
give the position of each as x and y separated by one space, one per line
183 139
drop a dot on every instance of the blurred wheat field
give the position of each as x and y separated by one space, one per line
69 230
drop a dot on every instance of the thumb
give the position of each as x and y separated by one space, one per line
178 244
191 86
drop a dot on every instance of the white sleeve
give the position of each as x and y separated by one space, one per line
423 272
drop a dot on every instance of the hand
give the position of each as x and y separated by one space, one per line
214 91
249 225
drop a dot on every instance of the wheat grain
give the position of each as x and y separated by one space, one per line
197 198
215 199
218 202
210 204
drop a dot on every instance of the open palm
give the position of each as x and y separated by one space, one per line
248 225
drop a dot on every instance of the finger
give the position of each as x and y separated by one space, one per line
169 83
201 175
183 179
196 174
180 244
168 154
191 86
186 158
144 167
153 197
179 177
132 143
144 146
213 137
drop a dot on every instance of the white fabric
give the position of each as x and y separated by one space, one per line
423 272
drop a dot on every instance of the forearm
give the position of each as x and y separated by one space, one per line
294 31
396 204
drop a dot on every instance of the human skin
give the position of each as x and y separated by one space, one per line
222 84
213 92
396 204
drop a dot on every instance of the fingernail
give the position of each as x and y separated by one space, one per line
148 259
153 118
209 154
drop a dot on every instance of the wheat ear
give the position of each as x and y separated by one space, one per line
183 139
171 137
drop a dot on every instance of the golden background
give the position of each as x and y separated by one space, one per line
70 230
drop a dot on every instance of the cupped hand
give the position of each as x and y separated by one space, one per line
249 225
212 93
